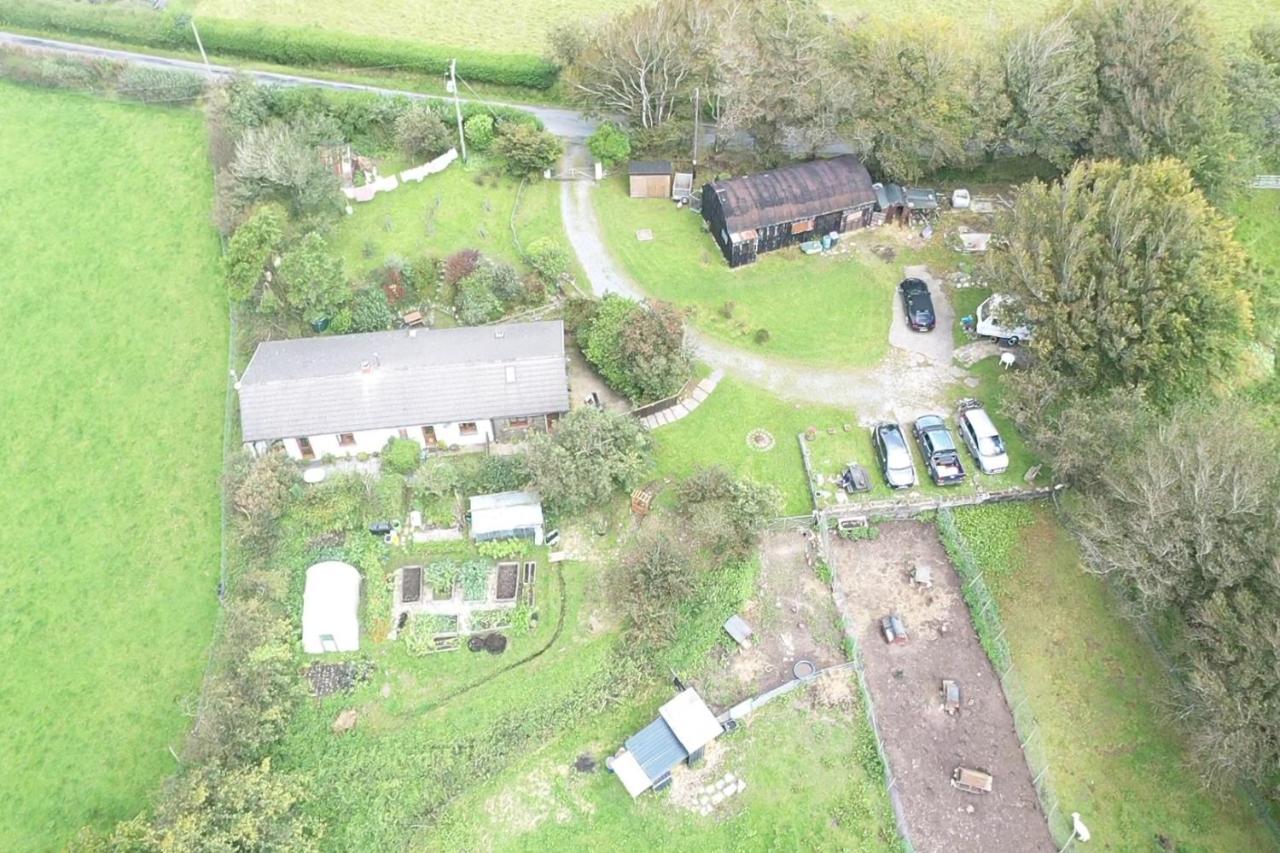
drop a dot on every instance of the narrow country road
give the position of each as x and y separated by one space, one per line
915 378
568 124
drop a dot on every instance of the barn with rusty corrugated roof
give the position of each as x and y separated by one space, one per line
760 213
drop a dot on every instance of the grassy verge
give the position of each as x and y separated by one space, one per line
1100 695
824 310
116 339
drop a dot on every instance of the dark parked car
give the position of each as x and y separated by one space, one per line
895 455
917 304
941 457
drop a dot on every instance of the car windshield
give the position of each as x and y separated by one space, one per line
940 440
895 450
990 445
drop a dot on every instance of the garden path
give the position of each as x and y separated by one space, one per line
912 380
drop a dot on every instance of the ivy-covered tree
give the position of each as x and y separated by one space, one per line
250 249
1131 280
1050 77
420 133
316 283
609 144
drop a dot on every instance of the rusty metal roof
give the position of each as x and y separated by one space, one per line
794 192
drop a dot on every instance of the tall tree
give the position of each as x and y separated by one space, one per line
1131 280
1050 77
1253 76
775 74
591 454
1161 88
640 64
315 279
917 100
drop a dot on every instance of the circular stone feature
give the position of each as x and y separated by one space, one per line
760 439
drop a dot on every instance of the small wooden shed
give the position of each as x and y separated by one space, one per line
650 178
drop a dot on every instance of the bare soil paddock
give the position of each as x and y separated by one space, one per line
924 745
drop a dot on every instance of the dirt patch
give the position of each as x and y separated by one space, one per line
793 618
545 793
924 744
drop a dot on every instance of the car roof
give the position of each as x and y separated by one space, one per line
930 422
981 422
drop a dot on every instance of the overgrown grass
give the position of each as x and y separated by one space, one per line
464 207
115 351
814 782
1103 700
523 26
825 310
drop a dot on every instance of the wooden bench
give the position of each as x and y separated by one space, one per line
413 318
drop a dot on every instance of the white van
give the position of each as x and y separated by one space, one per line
988 327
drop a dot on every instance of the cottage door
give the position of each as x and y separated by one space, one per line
304 449
429 435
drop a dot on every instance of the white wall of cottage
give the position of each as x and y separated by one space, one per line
373 440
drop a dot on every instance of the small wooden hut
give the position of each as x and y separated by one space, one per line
793 204
650 178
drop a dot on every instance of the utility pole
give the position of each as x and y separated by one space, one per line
457 105
200 44
697 128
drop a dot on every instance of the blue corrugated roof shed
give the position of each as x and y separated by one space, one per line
656 749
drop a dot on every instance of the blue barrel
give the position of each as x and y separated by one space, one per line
826 242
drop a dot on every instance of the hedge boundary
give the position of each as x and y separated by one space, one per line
271 43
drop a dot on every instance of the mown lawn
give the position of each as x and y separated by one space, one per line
824 310
1099 693
523 26
115 350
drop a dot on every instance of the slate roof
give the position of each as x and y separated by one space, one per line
649 167
314 386
800 191
656 749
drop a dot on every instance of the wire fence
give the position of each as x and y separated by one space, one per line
991 633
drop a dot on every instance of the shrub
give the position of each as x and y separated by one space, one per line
476 303
527 150
279 161
420 133
317 284
762 336
370 311
483 474
638 348
609 144
401 455
591 454
474 577
727 309
262 493
548 258
459 265
479 131
159 85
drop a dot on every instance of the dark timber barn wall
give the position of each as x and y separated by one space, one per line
760 213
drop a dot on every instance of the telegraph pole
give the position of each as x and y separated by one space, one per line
457 105
697 128
200 45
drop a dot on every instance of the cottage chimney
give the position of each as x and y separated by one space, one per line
499 333
366 366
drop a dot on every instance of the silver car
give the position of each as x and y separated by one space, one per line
895 455
982 438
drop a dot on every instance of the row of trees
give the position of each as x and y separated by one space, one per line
1146 312
1131 79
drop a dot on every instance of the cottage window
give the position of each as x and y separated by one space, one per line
802 227
468 428
346 439
404 433
518 423
304 448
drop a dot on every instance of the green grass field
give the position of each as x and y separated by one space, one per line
1099 693
523 26
822 310
115 362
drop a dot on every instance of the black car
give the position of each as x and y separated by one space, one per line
895 455
941 457
917 304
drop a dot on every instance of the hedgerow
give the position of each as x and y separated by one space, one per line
283 45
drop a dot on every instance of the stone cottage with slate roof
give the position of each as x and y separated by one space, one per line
350 394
